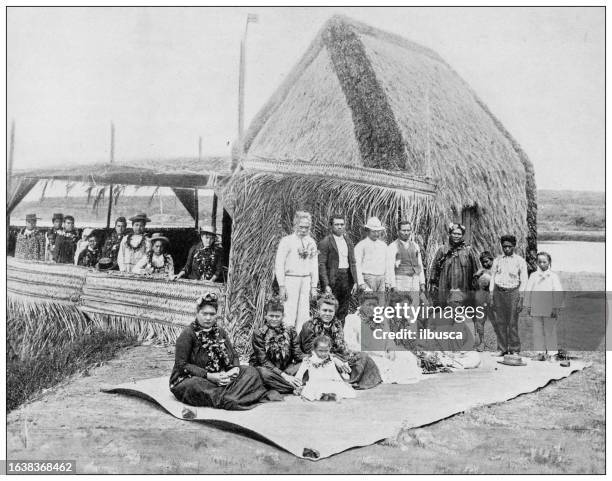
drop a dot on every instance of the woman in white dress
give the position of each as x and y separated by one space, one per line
324 380
396 364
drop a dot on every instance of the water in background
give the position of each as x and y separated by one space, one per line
570 256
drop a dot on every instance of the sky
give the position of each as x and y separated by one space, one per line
166 76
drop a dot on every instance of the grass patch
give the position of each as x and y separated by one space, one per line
27 378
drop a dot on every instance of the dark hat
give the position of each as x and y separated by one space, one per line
59 216
105 263
157 236
140 218
31 217
120 219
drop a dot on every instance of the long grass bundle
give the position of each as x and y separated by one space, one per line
265 205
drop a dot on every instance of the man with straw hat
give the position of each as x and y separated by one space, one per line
297 270
30 243
370 259
51 236
156 262
135 245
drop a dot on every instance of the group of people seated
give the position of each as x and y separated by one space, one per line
123 249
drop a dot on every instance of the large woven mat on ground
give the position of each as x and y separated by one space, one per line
316 430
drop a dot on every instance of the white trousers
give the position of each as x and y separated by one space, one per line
544 331
297 305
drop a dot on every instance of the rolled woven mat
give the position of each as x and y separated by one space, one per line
115 297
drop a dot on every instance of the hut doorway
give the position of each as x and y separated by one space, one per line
468 219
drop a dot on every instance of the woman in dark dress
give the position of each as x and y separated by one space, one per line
453 268
364 373
205 259
207 370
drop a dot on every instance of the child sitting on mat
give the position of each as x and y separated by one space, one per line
324 382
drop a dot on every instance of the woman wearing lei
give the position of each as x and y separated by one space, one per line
453 267
156 263
363 371
205 258
276 350
207 370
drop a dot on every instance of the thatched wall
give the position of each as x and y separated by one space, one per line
264 207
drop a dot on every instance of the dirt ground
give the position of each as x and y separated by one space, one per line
558 429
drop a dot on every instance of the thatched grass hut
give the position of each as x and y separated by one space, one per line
370 105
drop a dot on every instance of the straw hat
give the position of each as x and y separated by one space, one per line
374 224
140 218
513 360
158 237
105 263
87 232
206 229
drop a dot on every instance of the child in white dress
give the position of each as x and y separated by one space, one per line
324 380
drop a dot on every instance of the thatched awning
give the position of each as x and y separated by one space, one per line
373 177
182 172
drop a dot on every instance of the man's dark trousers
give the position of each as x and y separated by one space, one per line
505 303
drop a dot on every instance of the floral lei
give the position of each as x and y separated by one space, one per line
205 258
128 241
319 364
308 250
277 345
334 333
163 268
217 356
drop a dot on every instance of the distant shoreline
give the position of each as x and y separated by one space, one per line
577 236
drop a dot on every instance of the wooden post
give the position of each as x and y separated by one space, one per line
196 203
9 191
226 239
200 149
110 190
213 215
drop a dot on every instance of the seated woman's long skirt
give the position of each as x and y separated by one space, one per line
242 393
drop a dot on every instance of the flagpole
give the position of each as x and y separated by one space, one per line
110 192
251 18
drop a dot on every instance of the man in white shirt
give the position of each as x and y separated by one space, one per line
337 270
370 259
297 271
507 288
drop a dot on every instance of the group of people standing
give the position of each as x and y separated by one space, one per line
123 249
458 276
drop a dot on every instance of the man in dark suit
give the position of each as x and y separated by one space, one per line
337 268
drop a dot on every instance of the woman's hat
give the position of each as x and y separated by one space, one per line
105 264
374 224
206 229
157 236
513 360
140 218
58 216
31 217
88 232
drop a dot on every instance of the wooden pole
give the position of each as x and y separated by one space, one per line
213 215
110 191
241 75
196 203
9 191
200 149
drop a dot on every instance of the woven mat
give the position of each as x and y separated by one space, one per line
374 415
